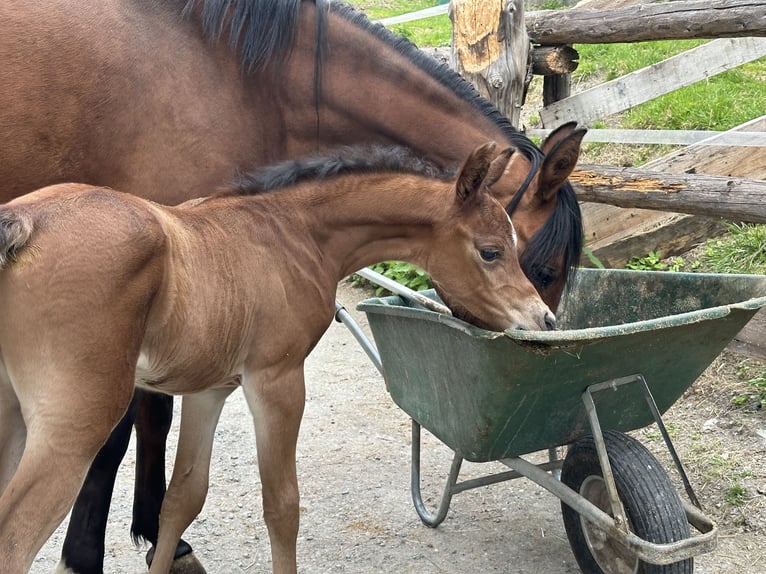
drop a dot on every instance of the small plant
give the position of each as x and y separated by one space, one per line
735 496
756 397
595 261
404 273
654 262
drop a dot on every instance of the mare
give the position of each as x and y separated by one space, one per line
101 291
166 98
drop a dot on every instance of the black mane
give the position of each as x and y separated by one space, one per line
345 160
245 21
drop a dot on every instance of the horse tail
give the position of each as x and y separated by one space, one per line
15 230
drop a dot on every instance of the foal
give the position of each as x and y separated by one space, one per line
101 290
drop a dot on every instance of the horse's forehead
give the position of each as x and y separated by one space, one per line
494 220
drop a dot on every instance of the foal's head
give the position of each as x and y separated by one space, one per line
475 268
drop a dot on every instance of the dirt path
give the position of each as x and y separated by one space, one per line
356 512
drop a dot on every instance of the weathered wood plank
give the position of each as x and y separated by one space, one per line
549 60
653 81
658 21
666 21
608 227
672 137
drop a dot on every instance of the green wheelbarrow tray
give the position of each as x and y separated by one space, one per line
491 396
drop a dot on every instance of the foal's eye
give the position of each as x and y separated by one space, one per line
489 254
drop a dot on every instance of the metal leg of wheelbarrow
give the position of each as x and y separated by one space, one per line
616 525
596 428
453 486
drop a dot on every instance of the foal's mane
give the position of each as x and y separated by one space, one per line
359 159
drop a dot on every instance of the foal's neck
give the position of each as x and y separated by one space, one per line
359 220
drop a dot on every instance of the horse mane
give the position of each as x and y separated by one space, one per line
359 159
261 45
561 235
262 30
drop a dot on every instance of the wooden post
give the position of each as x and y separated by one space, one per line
490 49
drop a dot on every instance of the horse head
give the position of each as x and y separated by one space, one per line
544 208
476 270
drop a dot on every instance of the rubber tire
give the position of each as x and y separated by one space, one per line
651 502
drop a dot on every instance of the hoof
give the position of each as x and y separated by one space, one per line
187 564
184 562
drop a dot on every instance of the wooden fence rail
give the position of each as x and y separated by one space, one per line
733 198
666 21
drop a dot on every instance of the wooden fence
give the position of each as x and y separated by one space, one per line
738 28
678 200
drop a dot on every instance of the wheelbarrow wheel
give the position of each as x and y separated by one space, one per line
652 506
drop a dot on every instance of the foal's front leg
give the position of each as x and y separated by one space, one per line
276 399
188 486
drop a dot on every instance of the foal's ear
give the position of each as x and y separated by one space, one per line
561 149
474 171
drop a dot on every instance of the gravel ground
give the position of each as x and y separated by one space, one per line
356 512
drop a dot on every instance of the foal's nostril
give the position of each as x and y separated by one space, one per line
550 321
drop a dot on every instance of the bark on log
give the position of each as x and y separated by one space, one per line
490 49
665 21
548 60
732 198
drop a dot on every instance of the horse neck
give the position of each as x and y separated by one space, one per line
371 92
358 220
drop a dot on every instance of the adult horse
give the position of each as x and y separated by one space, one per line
101 290
165 98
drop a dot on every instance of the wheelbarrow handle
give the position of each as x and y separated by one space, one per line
402 291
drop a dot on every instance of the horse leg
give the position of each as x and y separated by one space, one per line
154 415
277 403
13 432
189 483
83 549
65 429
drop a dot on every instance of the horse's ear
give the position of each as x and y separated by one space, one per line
474 171
561 148
557 135
498 165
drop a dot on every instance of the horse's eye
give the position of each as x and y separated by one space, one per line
545 277
489 254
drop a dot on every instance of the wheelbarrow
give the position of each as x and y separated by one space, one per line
630 343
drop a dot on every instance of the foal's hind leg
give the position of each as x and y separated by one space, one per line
188 485
63 436
83 549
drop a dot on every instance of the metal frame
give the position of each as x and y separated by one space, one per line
615 526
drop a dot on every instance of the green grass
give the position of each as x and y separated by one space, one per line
755 396
719 103
435 31
742 250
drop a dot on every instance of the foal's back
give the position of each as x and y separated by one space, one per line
91 252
